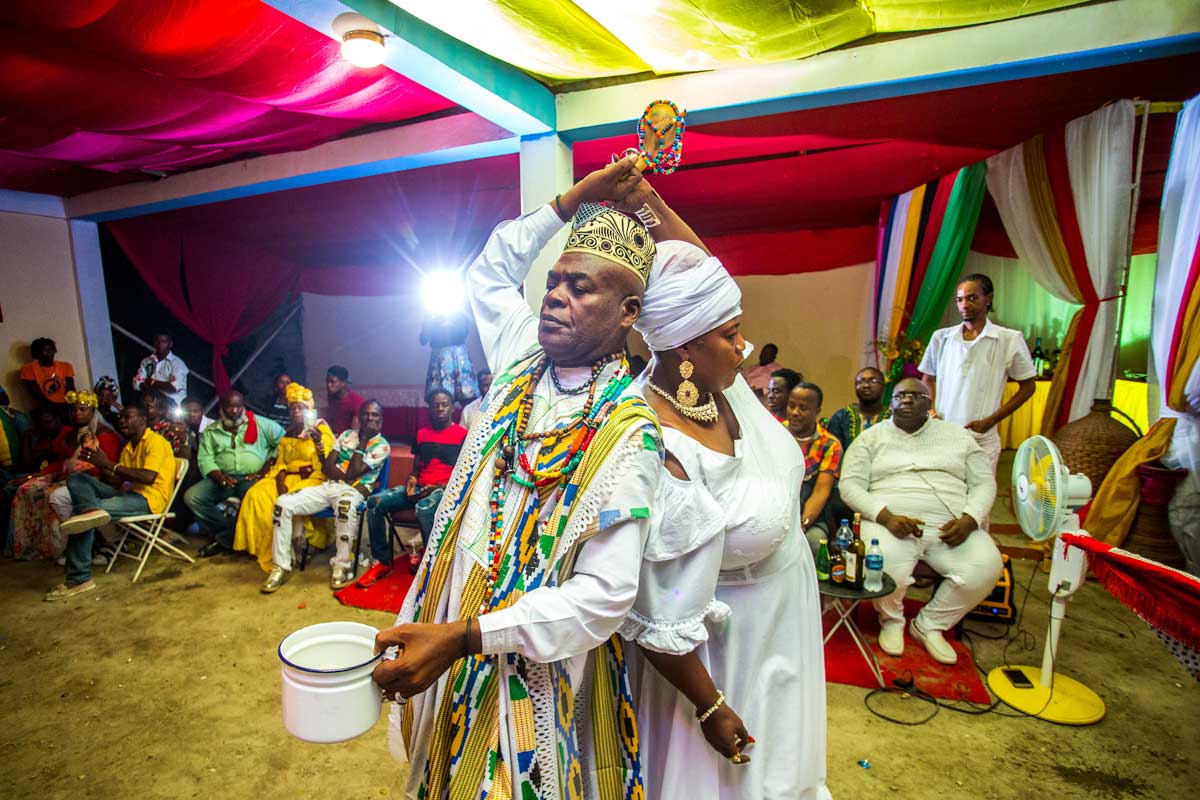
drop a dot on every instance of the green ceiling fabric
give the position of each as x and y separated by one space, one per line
561 40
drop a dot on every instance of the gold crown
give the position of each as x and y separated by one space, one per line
296 393
82 398
613 236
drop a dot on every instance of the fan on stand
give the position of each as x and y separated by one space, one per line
1046 498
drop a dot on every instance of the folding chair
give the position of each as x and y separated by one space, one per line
327 513
147 528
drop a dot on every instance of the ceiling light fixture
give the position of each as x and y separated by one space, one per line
362 40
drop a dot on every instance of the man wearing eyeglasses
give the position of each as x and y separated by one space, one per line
922 485
849 421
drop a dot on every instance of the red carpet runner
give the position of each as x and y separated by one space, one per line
386 595
844 664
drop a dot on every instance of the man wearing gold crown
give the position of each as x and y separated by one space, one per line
508 679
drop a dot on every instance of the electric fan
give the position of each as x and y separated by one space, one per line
1045 500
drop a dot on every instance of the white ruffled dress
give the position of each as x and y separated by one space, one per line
728 573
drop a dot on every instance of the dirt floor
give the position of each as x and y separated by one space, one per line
170 688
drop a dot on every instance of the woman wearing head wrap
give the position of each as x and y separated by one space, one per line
43 501
106 401
728 597
305 443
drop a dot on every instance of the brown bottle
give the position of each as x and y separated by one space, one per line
837 568
859 549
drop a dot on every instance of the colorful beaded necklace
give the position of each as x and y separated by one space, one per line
665 161
583 429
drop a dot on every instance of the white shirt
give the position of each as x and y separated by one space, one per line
936 474
170 369
971 375
470 412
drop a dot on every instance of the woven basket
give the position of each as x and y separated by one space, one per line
1150 535
1092 444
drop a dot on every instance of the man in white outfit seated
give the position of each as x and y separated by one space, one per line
922 485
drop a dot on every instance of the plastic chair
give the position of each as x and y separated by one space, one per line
147 528
327 513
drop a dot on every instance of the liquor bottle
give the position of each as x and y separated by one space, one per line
874 568
823 560
837 568
859 549
1039 358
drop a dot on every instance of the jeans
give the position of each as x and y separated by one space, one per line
203 498
385 503
288 527
88 493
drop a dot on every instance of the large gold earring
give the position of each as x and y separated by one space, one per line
687 394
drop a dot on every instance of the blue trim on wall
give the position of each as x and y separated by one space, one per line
1184 44
471 152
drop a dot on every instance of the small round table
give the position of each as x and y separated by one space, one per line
845 599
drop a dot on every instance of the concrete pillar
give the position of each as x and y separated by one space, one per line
547 170
93 301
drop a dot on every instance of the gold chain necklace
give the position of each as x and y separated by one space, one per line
701 413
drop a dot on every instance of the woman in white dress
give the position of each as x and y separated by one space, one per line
728 612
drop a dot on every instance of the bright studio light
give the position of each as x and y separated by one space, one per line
363 48
443 292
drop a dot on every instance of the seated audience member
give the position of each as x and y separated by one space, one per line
47 380
759 376
779 388
146 465
849 421
163 417
12 422
37 445
434 456
344 403
351 470
106 401
471 410
305 443
822 460
41 503
279 403
234 454
194 417
163 371
922 485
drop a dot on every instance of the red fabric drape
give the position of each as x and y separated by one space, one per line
220 289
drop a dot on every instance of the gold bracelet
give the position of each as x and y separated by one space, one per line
712 709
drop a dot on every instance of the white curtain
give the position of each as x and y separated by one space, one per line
1178 234
1099 151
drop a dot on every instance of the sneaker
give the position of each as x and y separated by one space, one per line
213 548
278 577
64 592
935 644
378 571
891 638
104 554
85 522
62 561
340 578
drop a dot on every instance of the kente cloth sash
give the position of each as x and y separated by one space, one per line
464 759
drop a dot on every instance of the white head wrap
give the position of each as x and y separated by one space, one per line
688 294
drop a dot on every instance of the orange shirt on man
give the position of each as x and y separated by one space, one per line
51 381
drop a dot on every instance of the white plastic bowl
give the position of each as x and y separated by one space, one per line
328 694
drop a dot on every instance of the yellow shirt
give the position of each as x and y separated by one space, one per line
152 452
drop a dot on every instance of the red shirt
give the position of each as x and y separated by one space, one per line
437 452
343 411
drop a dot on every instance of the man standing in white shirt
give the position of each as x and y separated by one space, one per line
163 370
966 367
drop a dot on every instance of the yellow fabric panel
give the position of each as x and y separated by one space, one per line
1115 503
560 40
1188 354
678 36
904 266
915 15
1026 421
1058 386
551 38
